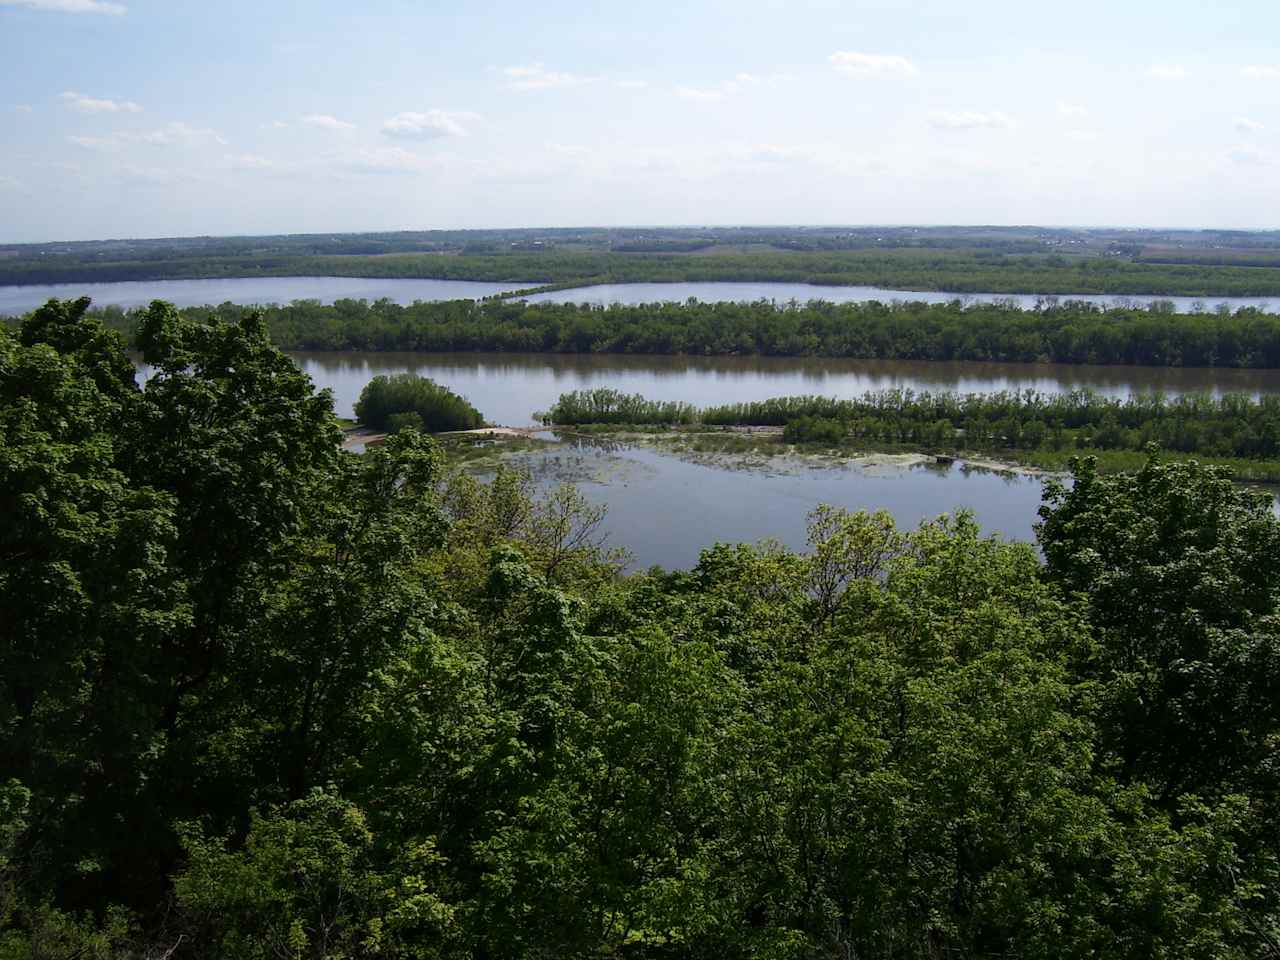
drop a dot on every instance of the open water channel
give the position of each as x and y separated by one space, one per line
665 509
266 290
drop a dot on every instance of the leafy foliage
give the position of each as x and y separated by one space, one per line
605 405
1053 332
1233 425
407 400
1001 260
263 698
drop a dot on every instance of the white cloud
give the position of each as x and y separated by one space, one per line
696 93
1167 71
79 101
23 108
68 6
1081 136
1248 157
1245 125
249 161
633 163
11 183
174 134
772 153
1261 71
872 64
177 133
382 160
969 120
536 76
633 84
326 122
97 143
1072 111
729 88
426 126
155 176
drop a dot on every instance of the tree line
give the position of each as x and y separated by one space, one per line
1071 332
1229 426
263 698
909 268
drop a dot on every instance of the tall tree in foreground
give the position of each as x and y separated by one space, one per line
139 527
1180 572
1180 569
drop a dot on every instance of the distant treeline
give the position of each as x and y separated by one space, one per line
911 268
1072 332
1230 426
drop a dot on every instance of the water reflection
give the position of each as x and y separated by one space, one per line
666 510
633 293
245 290
264 290
508 388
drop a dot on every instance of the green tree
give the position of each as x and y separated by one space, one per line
140 526
391 402
1181 571
308 883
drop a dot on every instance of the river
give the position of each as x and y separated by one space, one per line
709 292
265 290
662 508
508 387
245 290
665 509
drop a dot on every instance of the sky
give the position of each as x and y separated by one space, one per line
155 118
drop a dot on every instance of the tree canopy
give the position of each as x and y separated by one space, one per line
1054 331
260 697
406 399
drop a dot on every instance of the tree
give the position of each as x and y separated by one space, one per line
393 402
140 527
1180 570
308 882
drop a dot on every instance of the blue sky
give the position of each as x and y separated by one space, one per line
137 118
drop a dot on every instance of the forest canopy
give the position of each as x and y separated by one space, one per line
263 697
1054 332
990 260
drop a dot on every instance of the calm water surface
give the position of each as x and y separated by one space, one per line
251 290
783 292
508 388
665 511
263 290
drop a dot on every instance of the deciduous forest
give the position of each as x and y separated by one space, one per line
962 259
260 697
1070 332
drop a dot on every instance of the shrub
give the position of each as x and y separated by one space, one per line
814 430
436 407
409 420
605 405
